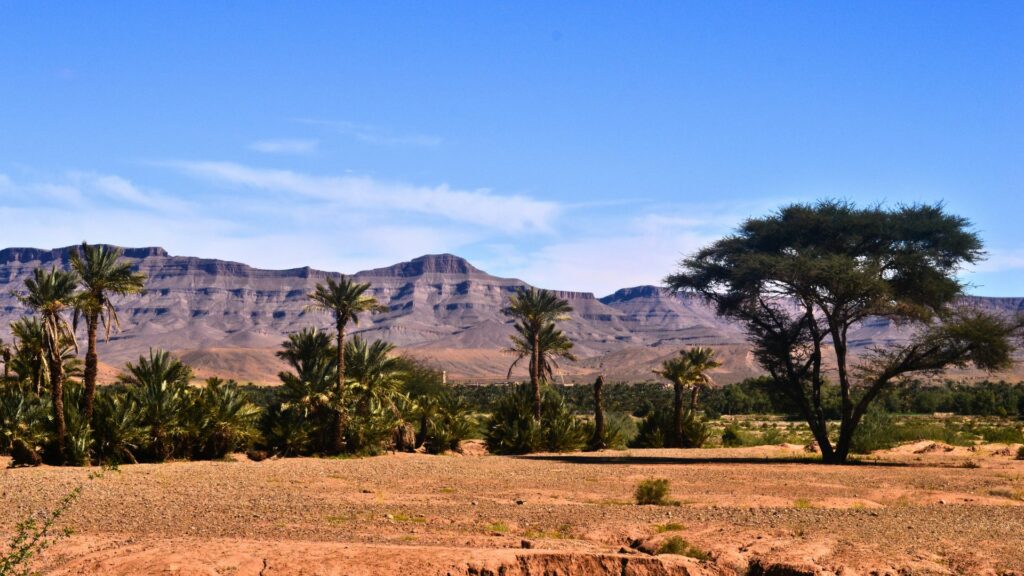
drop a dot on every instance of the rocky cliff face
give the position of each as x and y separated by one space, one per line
228 318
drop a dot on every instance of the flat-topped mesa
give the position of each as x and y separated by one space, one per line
626 294
9 255
428 264
570 295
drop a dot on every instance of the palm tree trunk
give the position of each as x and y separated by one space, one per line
535 375
91 365
597 441
693 398
57 397
677 417
338 433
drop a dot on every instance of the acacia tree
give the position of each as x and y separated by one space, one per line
689 370
102 274
800 279
536 312
51 293
344 299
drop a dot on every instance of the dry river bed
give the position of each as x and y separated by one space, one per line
919 509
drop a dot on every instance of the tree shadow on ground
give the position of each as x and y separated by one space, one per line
684 460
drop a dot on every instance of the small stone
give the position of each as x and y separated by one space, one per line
526 544
520 502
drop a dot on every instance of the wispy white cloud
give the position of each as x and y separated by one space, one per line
285 146
1000 261
482 207
375 134
643 250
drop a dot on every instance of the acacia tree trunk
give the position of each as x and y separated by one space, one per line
91 365
676 439
57 394
535 375
338 424
597 441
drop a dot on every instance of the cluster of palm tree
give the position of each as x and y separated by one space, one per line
549 424
682 427
352 395
45 349
340 394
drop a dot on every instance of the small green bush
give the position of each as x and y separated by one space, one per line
1020 453
655 430
448 424
772 437
677 545
733 437
652 492
875 432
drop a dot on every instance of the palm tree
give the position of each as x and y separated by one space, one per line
309 391
376 372
533 310
551 344
688 370
344 299
102 274
51 294
29 359
159 385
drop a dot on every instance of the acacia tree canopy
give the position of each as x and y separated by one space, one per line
801 278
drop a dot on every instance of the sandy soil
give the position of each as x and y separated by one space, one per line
918 509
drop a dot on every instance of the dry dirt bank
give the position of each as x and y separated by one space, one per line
917 510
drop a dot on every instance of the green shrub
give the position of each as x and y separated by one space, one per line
22 415
448 424
78 433
117 428
223 420
652 492
656 427
33 536
511 428
1020 453
287 431
1002 434
676 545
732 437
370 432
772 437
619 430
876 431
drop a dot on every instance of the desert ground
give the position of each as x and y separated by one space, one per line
918 509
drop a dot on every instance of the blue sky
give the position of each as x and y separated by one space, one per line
575 145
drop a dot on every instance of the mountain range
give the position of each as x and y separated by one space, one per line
228 319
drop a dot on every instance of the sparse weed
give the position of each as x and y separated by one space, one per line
498 527
668 527
1009 493
802 504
